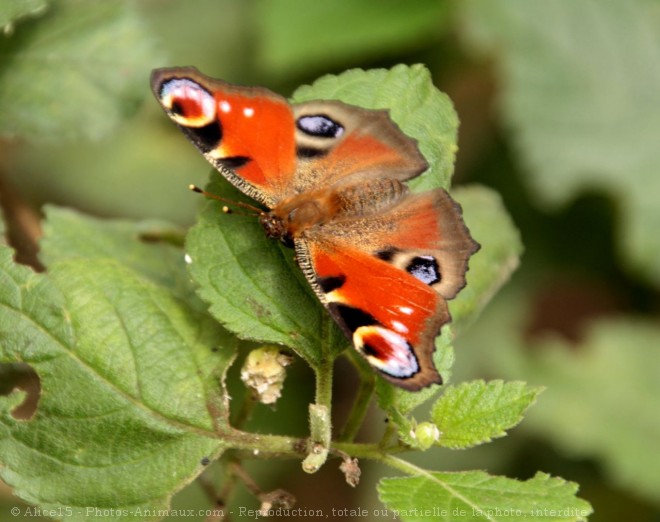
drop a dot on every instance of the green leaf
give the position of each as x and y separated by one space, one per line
12 11
341 32
252 284
476 412
477 496
72 235
75 73
615 370
415 104
499 256
131 377
582 94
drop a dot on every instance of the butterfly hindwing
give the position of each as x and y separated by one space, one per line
430 241
412 259
394 325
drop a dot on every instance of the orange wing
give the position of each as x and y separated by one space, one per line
386 278
339 144
247 133
271 150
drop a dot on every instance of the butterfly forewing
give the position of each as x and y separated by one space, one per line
365 143
234 128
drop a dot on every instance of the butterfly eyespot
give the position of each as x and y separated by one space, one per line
187 103
424 268
320 126
386 350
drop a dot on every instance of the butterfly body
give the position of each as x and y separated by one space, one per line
383 260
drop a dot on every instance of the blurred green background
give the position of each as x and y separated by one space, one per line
559 103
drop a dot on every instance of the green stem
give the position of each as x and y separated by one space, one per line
320 413
375 452
256 444
366 451
402 465
323 374
209 490
388 435
359 409
323 370
290 447
320 423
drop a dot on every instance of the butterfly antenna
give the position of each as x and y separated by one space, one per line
226 209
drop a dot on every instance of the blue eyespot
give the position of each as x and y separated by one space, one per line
320 126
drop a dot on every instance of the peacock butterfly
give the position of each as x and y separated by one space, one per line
381 259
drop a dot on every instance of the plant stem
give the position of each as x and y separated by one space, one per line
390 430
271 445
402 465
209 490
323 372
365 451
320 423
375 452
238 471
359 409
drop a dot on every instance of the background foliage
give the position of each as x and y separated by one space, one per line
558 103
